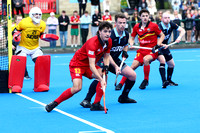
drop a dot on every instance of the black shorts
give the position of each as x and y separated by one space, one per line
111 68
166 53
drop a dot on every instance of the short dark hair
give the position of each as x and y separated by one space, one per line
75 11
106 10
142 11
104 24
85 12
119 15
63 11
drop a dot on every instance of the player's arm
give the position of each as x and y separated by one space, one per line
112 62
93 69
131 42
160 40
181 34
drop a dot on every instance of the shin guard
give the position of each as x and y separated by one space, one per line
16 74
42 73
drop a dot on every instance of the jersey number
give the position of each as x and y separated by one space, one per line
77 70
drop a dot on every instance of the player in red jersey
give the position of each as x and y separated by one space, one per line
84 62
147 32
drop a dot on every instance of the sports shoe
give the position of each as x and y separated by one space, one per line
27 77
51 106
171 83
144 84
118 87
97 107
85 104
165 84
122 99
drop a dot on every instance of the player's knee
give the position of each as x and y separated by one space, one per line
132 76
76 89
146 61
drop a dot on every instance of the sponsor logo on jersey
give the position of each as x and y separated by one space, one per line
98 50
148 29
118 48
77 74
91 52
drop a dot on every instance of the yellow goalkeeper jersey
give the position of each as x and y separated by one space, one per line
30 33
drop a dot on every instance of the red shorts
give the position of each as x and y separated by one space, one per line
78 72
140 55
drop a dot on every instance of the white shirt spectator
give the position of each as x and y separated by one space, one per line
52 22
151 4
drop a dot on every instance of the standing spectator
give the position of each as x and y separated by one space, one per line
106 5
184 12
82 6
52 23
158 17
142 5
96 19
135 20
176 4
127 27
194 24
85 21
19 6
63 27
4 8
75 20
13 7
95 4
151 6
197 22
176 18
107 16
188 27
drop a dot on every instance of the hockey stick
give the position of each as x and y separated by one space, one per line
104 90
138 47
154 51
123 59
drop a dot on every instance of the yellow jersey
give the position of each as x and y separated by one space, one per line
30 33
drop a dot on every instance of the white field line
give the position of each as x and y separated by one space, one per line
69 115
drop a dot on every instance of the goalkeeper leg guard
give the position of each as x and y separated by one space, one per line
42 73
16 74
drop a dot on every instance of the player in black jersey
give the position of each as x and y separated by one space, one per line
120 39
165 55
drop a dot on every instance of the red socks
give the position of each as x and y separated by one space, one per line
123 80
64 96
146 72
99 93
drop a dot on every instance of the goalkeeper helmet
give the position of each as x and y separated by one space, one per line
35 14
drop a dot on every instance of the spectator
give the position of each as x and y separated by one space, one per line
95 4
106 5
194 24
63 27
176 4
19 6
158 17
127 27
197 27
4 8
82 6
85 21
135 20
96 19
52 23
188 27
142 5
151 6
13 7
75 20
176 18
107 16
184 12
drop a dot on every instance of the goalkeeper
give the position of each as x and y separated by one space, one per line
32 28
